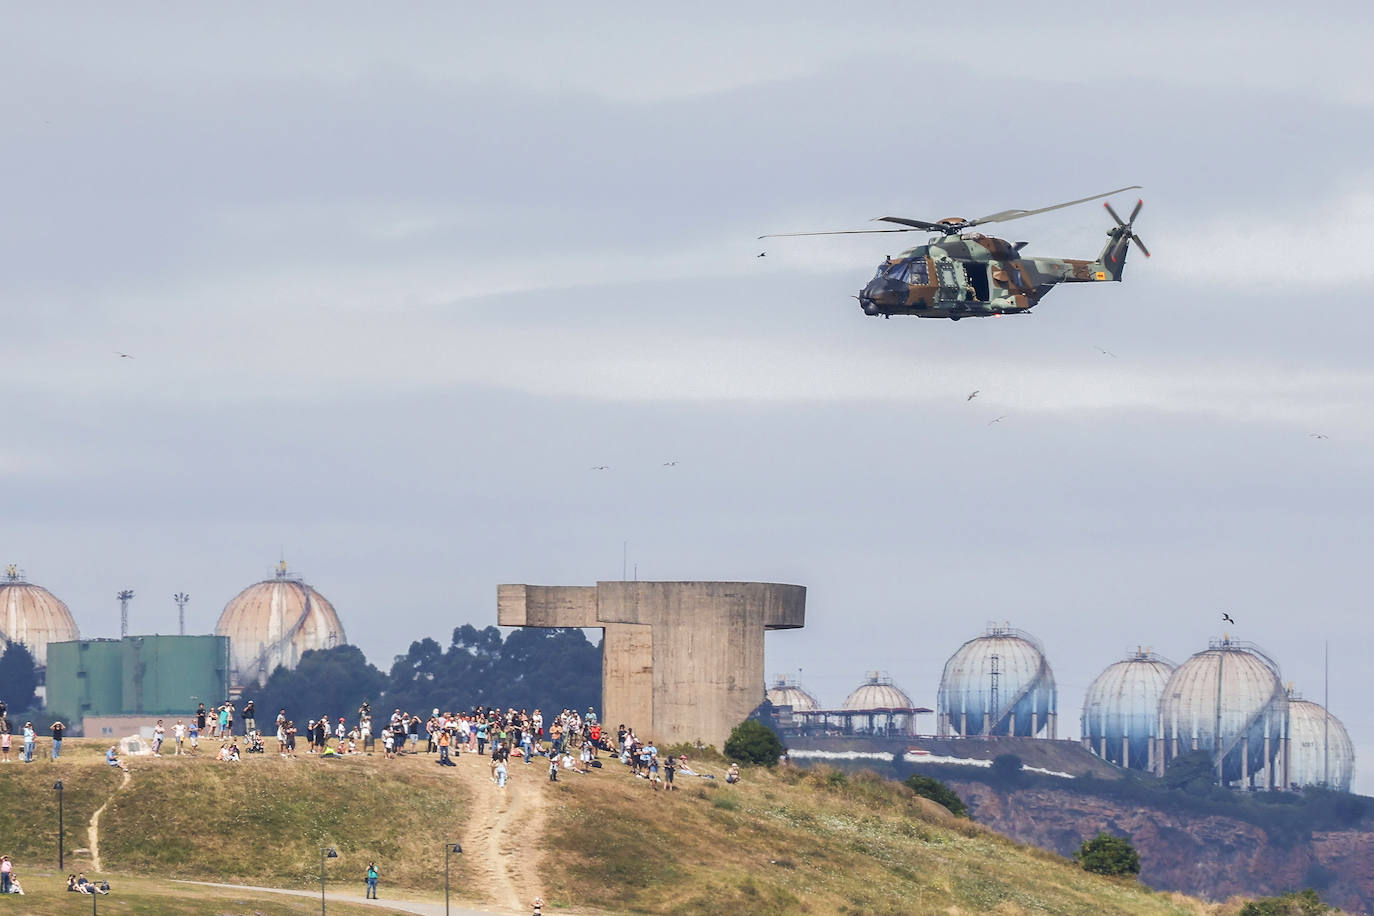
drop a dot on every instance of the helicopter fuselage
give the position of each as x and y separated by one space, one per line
973 275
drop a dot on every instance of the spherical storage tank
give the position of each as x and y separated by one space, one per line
33 616
889 708
272 622
998 684
1322 753
789 693
1121 710
1229 701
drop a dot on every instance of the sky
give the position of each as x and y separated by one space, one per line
392 285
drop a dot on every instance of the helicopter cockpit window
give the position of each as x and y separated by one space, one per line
893 270
917 273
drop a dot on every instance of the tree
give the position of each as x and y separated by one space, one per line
1296 903
325 682
1194 772
1106 854
1006 769
938 792
754 742
18 677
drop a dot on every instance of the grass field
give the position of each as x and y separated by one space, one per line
782 842
48 896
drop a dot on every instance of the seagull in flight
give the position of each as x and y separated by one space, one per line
670 464
601 467
973 394
1317 436
1105 352
998 420
123 355
1227 617
763 254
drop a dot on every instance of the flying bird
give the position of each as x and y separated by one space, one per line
601 467
670 464
123 355
1318 436
972 395
763 254
1105 352
1227 617
998 420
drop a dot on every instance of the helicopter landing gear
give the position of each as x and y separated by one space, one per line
955 317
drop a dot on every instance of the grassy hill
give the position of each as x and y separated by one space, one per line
790 841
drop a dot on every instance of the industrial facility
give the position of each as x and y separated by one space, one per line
1229 701
1121 710
100 682
999 683
270 623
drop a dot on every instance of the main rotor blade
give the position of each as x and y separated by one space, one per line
785 235
1136 211
1006 215
1135 238
1119 220
913 223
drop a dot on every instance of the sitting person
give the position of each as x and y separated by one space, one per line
87 887
683 768
14 884
732 774
71 884
112 758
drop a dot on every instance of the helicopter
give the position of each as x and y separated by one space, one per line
961 274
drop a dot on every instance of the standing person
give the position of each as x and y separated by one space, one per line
30 736
6 870
372 877
57 731
538 906
250 720
443 741
195 736
281 737
481 737
5 745
229 718
501 773
290 738
159 733
179 736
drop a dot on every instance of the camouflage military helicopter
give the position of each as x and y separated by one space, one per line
962 274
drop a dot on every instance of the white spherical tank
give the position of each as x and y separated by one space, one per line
1229 701
272 622
877 692
998 684
789 693
32 616
1322 753
1121 710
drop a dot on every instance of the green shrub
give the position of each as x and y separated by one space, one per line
938 792
754 742
1297 903
1005 769
1105 854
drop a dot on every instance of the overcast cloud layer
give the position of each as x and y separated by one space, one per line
393 284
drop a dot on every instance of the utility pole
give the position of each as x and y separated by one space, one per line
124 598
181 598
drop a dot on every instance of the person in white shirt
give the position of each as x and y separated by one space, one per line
158 734
179 736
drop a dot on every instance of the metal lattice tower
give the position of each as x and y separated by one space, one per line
181 598
995 704
124 598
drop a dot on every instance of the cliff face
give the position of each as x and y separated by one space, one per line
1207 856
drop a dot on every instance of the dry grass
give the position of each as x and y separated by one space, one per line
48 896
809 842
791 841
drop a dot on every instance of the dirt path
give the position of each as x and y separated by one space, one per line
502 840
93 828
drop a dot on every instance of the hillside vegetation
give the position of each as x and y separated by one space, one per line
790 841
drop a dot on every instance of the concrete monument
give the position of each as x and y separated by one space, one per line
682 661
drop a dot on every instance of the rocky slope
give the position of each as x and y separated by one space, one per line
1208 856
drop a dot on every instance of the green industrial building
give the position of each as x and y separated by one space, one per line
136 675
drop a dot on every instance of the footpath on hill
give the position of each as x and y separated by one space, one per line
394 906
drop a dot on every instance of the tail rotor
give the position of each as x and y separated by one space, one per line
1124 234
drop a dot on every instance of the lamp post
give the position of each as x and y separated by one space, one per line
448 848
326 852
58 786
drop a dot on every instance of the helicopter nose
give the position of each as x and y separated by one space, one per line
882 293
